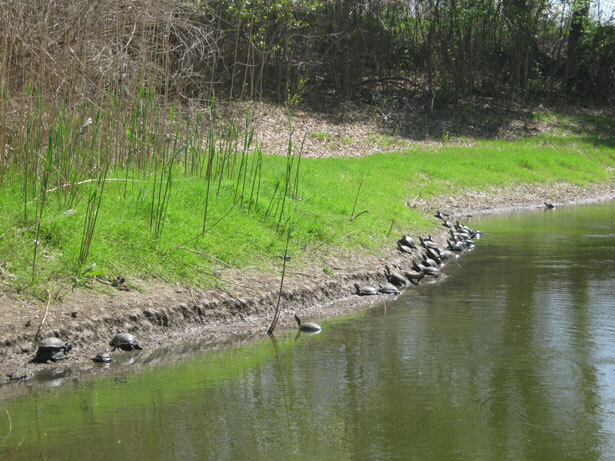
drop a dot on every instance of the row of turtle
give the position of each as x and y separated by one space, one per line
54 349
431 256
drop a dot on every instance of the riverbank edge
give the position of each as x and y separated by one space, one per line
163 315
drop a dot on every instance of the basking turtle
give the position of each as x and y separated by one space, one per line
395 277
460 235
388 288
463 229
307 326
403 248
434 255
442 216
414 276
365 291
428 243
429 262
103 357
408 241
433 271
445 255
426 270
52 349
455 246
125 341
469 242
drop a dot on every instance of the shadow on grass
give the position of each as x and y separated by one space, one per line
476 118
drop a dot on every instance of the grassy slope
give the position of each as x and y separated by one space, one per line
123 244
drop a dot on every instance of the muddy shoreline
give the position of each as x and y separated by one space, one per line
171 320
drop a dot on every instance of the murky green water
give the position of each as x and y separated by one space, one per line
513 357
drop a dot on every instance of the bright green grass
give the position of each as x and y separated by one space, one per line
123 243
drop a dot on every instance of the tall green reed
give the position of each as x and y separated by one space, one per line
91 215
40 203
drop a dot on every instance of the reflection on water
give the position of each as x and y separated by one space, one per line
513 357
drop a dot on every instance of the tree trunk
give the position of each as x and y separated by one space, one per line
580 11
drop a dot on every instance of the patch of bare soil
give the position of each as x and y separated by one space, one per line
164 317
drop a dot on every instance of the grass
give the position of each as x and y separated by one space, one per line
322 136
180 196
386 141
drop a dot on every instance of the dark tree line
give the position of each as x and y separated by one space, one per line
448 48
278 49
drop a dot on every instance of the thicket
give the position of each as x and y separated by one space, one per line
277 48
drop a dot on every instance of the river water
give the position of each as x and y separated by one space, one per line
511 357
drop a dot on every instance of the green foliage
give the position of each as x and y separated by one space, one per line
183 196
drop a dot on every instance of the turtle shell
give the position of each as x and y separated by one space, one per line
433 271
125 341
389 288
366 291
307 326
103 357
51 349
407 241
397 279
53 343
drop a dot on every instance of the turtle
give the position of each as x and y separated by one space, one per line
434 254
441 216
414 276
469 242
455 245
470 232
426 270
433 271
125 341
307 326
388 288
403 248
407 241
445 255
103 357
550 206
429 262
365 291
428 243
395 277
461 235
52 349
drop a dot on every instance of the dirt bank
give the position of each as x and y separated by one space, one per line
162 315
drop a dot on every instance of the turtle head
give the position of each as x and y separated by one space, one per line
298 319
